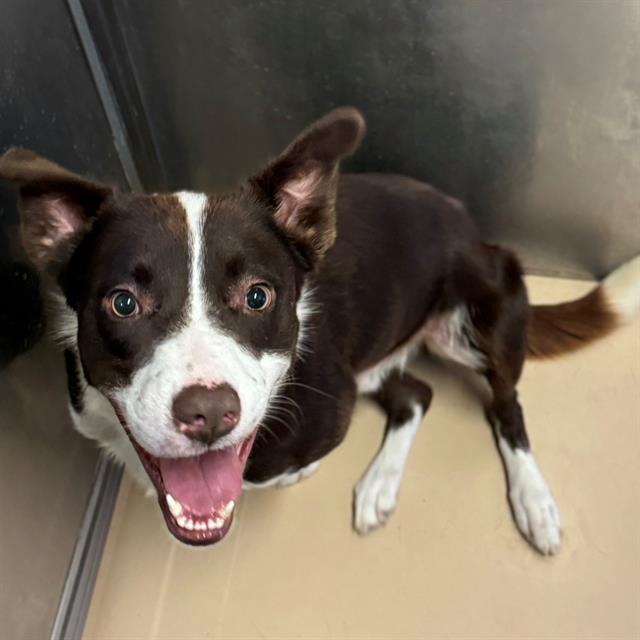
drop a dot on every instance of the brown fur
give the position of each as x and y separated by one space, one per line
556 329
301 183
176 221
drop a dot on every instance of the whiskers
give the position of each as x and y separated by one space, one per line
287 404
308 387
284 411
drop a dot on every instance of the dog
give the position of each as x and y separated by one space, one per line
215 341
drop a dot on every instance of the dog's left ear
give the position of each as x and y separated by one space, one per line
56 206
301 183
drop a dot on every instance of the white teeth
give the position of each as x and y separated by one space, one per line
174 506
225 512
198 525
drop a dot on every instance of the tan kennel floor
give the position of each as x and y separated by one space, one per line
450 563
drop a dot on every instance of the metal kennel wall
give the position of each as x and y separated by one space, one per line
528 111
48 102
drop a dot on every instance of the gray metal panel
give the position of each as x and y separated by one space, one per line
48 102
529 111
83 569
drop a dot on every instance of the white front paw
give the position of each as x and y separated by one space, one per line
375 497
536 515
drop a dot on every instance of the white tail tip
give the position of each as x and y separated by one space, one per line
622 289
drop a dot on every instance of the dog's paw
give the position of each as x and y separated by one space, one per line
375 497
536 514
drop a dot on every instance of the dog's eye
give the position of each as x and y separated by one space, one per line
259 297
123 304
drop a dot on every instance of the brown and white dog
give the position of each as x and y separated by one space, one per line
216 339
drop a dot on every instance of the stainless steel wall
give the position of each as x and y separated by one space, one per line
47 102
528 110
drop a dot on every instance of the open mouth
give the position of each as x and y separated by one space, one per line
198 494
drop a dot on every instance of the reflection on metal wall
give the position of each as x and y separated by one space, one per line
47 102
529 111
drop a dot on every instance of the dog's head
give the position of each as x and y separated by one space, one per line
188 304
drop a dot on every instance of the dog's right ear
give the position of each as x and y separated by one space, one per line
56 206
300 184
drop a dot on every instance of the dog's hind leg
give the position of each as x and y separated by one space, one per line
533 506
405 400
496 332
486 331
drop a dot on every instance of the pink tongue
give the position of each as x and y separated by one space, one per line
203 483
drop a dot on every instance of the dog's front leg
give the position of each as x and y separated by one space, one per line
405 400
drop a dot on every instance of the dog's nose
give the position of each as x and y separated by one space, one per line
206 414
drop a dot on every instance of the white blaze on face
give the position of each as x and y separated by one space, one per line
200 352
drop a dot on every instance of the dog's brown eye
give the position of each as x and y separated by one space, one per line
123 304
258 297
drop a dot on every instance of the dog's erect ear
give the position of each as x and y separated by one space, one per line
301 183
56 206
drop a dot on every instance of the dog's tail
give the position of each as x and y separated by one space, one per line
556 329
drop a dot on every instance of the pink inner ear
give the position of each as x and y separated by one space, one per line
62 219
303 187
49 221
294 195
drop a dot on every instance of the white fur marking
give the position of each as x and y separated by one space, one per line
285 479
305 309
533 505
64 329
370 380
622 289
377 491
199 353
448 335
97 421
